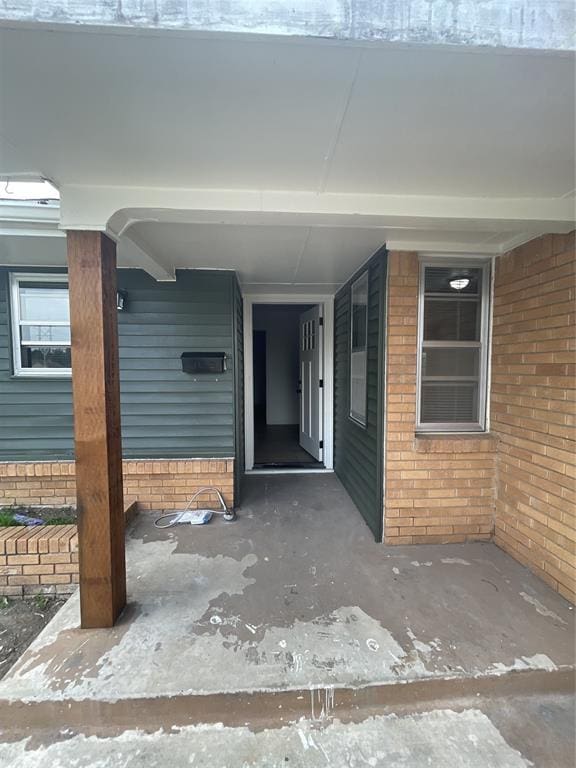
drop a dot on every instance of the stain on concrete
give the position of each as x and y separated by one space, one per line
75 656
440 738
538 661
424 649
66 660
541 609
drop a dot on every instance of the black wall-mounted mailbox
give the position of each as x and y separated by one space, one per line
203 362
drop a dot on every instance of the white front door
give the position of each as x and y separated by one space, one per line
311 389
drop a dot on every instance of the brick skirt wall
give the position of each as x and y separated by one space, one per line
157 484
533 407
42 559
39 560
438 488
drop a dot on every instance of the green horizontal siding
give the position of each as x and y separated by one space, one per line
165 412
35 415
358 450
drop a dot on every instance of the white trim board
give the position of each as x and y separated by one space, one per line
327 303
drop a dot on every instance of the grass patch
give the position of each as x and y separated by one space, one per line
7 518
42 601
48 515
62 520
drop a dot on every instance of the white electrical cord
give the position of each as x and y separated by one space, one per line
196 516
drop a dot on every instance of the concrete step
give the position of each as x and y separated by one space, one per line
496 728
467 739
259 709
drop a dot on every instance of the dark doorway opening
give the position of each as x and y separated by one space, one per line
277 388
259 347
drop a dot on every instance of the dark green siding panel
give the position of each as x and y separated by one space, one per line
239 394
358 450
165 412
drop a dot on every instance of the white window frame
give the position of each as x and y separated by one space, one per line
483 345
30 277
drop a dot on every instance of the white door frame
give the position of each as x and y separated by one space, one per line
327 303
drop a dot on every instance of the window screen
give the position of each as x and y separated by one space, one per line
358 348
452 347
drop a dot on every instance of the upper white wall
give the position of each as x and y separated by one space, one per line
503 23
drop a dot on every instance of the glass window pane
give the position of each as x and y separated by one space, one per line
358 348
45 357
44 302
360 313
45 333
452 346
449 402
437 280
451 320
358 387
450 362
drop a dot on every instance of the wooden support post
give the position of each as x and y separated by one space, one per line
96 389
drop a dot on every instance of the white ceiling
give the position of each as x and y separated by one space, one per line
266 258
180 110
149 112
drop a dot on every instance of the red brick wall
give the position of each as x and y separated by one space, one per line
157 484
438 489
533 407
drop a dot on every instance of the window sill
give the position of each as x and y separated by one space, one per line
42 376
469 442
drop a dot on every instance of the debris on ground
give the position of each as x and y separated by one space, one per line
20 622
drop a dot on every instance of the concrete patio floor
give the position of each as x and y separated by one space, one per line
295 612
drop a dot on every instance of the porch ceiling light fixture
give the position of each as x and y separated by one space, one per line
459 282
